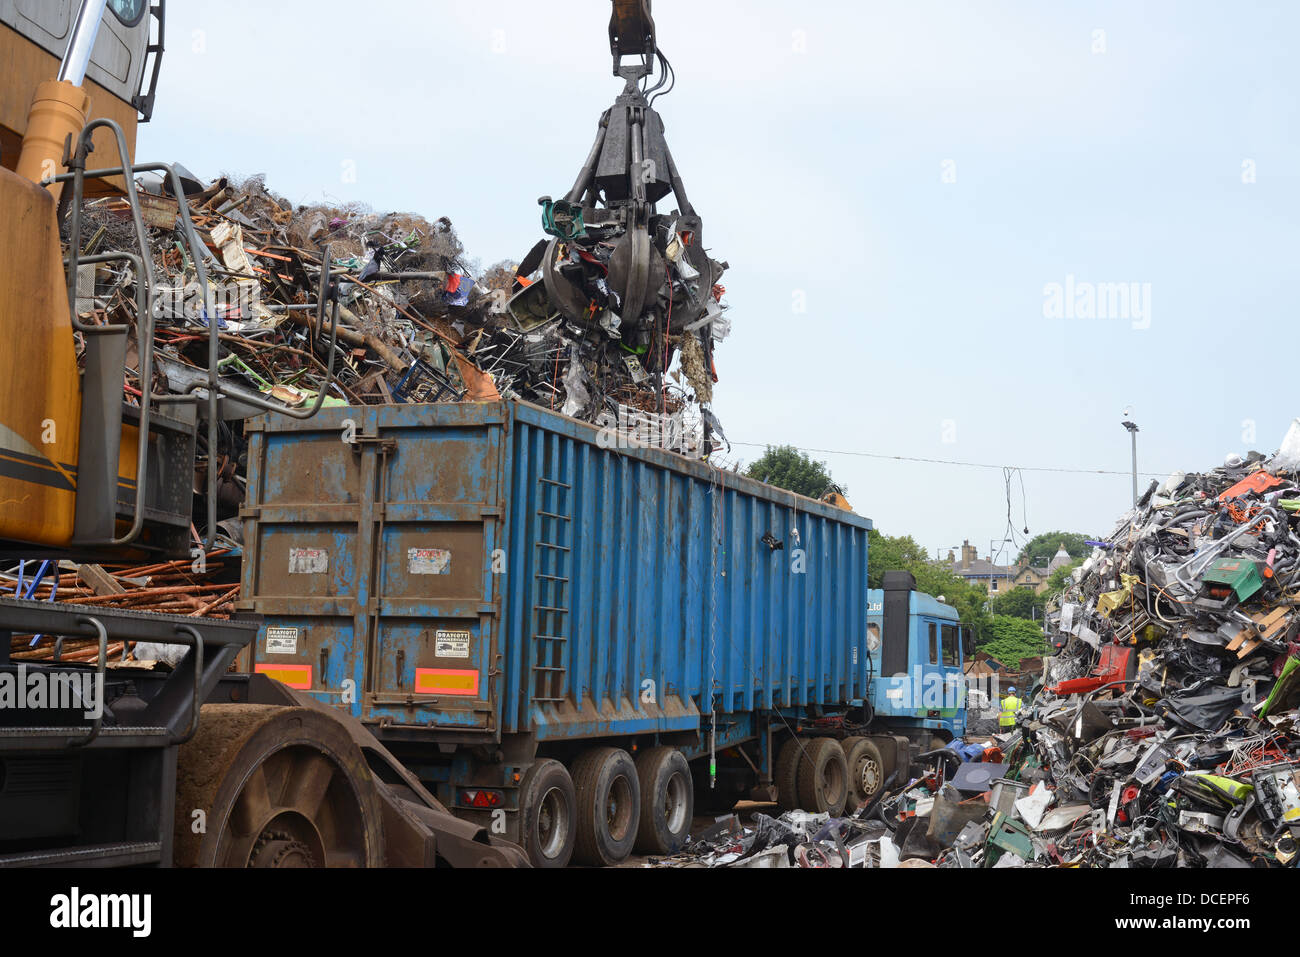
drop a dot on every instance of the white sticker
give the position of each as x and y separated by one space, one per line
451 644
281 641
308 561
428 561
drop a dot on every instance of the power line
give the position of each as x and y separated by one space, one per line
972 465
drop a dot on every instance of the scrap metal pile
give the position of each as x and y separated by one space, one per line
795 839
415 324
1165 732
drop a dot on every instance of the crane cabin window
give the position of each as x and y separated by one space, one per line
128 11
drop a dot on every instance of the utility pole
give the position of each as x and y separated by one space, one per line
1133 434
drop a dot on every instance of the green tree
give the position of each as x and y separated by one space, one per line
1041 548
1014 639
786 467
1020 603
888 553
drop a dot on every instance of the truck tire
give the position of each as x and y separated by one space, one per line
609 806
866 770
823 777
548 808
278 787
785 775
667 801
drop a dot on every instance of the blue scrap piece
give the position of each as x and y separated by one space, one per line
457 292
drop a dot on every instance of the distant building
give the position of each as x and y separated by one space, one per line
1000 579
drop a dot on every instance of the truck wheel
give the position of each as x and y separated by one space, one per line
549 809
823 777
667 801
866 770
786 775
609 806
277 787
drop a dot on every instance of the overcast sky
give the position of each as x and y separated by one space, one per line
896 185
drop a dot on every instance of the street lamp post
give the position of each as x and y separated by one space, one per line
1133 434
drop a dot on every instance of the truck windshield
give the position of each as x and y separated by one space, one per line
950 652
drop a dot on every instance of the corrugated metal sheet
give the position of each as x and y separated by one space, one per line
581 591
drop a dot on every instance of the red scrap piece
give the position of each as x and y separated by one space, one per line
1112 668
1260 481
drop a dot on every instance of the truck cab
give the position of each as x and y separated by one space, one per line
915 643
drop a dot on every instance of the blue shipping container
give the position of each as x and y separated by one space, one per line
465 572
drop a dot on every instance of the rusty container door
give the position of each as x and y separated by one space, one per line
369 546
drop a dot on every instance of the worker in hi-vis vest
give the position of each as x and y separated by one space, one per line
1010 705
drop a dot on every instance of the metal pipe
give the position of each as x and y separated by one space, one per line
85 28
434 276
1134 436
144 296
588 173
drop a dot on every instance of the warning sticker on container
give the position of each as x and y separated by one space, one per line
451 644
428 561
295 676
281 641
446 681
308 561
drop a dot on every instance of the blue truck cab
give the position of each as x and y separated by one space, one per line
915 643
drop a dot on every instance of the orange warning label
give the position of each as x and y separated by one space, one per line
297 677
446 681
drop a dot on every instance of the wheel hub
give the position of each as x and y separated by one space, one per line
869 775
552 829
281 849
618 808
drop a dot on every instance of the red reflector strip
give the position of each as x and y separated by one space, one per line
446 681
297 677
